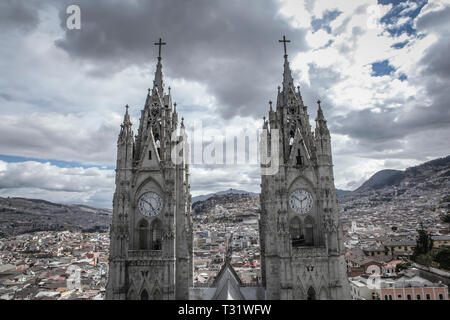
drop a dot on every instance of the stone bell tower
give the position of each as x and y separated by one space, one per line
302 249
151 232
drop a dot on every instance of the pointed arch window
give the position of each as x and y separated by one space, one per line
296 233
299 158
309 231
311 294
144 295
157 295
291 138
156 235
158 144
143 234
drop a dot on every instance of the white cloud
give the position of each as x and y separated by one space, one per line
53 106
91 186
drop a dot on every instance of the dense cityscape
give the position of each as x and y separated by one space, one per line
380 227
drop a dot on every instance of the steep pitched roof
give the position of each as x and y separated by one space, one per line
228 284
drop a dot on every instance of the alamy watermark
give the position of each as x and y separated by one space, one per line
208 146
73 21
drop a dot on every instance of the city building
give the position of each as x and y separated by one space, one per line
408 286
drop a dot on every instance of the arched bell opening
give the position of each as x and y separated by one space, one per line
156 235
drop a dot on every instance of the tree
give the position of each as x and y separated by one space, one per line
402 266
424 259
424 243
443 258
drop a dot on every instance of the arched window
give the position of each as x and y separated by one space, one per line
156 232
143 234
291 138
158 144
311 294
309 231
144 295
157 295
323 294
296 232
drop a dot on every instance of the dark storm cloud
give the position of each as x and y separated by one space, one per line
231 46
394 123
18 15
435 20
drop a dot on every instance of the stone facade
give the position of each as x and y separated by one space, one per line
302 249
151 254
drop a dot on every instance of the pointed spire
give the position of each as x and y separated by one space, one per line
174 107
270 104
182 123
321 123
126 133
126 118
287 76
158 82
320 112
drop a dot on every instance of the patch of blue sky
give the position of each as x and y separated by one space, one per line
406 10
58 163
382 68
324 22
402 77
400 45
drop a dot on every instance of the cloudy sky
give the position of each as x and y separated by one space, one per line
381 69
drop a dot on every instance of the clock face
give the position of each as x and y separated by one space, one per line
300 201
150 204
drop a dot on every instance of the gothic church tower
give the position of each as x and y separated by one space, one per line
302 249
151 232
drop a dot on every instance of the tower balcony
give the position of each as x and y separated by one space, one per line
143 254
309 252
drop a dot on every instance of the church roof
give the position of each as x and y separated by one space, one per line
228 284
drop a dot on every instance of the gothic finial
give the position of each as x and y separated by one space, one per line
270 104
126 118
318 102
182 122
279 89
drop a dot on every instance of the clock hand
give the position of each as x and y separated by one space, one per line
149 203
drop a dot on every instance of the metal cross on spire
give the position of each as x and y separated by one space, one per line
284 44
160 43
